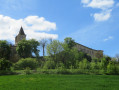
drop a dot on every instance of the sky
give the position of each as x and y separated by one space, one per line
93 23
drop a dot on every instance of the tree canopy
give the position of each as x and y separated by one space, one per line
4 49
69 41
25 48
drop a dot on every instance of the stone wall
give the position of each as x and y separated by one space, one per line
14 57
18 38
93 53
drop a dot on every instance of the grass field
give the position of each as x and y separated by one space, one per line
59 82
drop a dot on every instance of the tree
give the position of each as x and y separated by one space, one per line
43 43
34 46
25 48
4 49
69 56
5 64
104 63
53 49
83 64
111 68
70 42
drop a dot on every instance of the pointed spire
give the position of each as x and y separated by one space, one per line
21 32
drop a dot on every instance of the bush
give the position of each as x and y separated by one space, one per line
83 64
92 65
95 65
111 68
27 62
49 65
63 71
27 71
5 64
104 63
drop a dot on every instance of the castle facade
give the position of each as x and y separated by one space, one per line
14 57
91 52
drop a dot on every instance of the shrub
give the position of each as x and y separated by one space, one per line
59 65
5 64
49 65
27 62
27 71
111 68
92 65
63 70
83 64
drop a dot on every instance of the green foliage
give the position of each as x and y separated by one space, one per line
49 65
68 57
82 55
27 71
69 42
93 65
83 64
5 64
54 47
25 48
27 62
34 45
111 68
63 71
4 49
60 65
104 63
65 53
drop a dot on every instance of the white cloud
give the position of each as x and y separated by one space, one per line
101 4
108 38
39 23
85 1
104 5
102 16
33 26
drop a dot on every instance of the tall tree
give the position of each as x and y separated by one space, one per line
4 49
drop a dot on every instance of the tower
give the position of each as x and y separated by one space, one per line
20 36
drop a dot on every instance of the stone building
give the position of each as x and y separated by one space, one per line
14 57
93 53
20 36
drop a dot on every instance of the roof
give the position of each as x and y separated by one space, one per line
21 32
88 47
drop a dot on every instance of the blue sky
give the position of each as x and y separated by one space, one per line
93 23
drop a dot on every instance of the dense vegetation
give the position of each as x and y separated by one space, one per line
62 57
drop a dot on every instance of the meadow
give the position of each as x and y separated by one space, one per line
59 82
